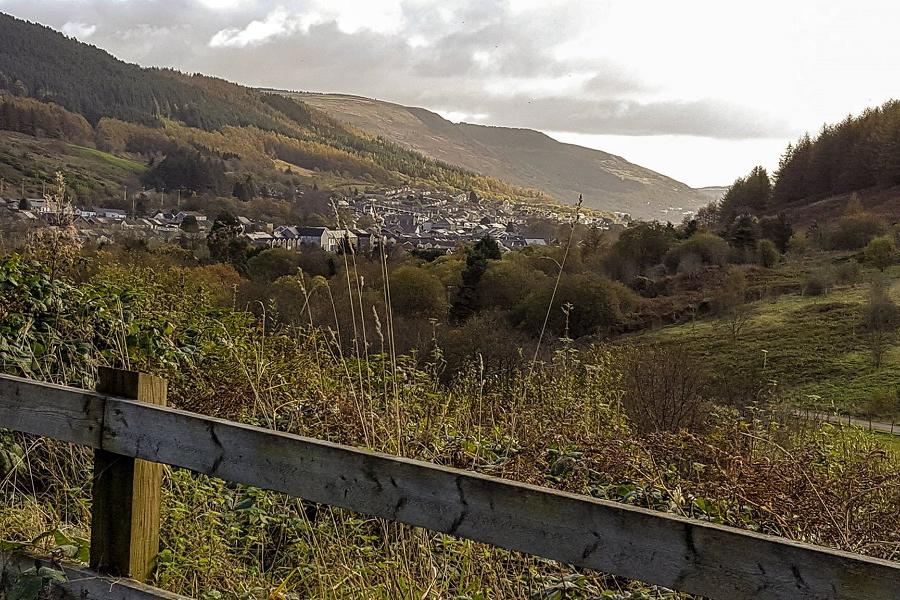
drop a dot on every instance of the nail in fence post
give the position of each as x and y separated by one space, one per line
126 491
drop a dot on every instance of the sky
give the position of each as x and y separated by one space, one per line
700 90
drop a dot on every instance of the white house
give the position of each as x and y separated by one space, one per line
335 239
111 213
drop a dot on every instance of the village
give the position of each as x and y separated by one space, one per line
412 219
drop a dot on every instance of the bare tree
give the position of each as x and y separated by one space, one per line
663 389
730 303
881 319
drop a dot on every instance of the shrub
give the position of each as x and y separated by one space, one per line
596 304
852 232
689 263
708 248
742 385
416 292
272 263
487 338
817 283
315 261
847 272
663 389
798 244
880 252
638 247
777 229
507 281
881 316
219 280
881 312
767 253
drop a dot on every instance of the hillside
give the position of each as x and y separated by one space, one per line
815 347
89 172
52 86
521 156
713 193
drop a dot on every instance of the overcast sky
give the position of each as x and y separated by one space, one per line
698 90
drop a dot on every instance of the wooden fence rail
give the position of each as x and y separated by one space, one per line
683 554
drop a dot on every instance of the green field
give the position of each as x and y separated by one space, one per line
813 348
118 162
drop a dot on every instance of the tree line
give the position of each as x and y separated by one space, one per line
858 153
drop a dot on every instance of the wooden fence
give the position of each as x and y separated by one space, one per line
132 433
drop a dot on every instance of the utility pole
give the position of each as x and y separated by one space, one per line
23 188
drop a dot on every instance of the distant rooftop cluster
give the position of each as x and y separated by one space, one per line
413 219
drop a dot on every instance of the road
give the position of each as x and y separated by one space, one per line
879 426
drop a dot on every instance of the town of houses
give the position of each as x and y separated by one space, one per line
401 216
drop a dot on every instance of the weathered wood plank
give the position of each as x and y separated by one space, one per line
82 583
54 411
686 555
126 491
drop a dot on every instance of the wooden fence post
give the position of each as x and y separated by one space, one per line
126 491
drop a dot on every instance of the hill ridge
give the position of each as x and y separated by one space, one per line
519 155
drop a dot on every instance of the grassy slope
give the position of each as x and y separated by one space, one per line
814 345
124 164
89 172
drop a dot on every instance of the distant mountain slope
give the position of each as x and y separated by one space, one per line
520 156
713 193
52 86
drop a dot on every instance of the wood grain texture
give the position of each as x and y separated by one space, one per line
126 491
82 584
682 554
55 411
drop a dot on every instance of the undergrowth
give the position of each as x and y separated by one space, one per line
558 422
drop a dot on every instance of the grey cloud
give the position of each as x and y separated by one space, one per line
706 118
442 75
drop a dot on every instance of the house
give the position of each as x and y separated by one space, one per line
337 240
85 212
182 215
286 236
259 239
37 205
535 242
317 236
112 213
363 240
